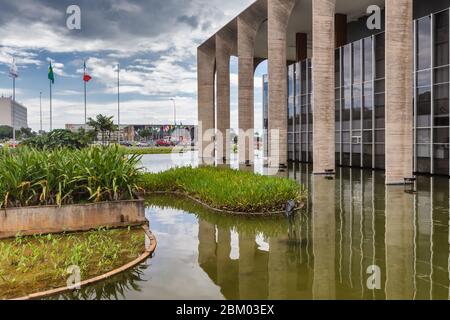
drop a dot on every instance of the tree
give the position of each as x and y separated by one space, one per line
59 139
6 132
146 133
103 125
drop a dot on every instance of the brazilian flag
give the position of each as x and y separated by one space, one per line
51 76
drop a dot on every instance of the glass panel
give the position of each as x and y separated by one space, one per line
423 158
379 111
379 56
441 39
441 93
357 62
423 107
423 136
368 59
356 113
424 43
441 160
440 75
424 78
441 135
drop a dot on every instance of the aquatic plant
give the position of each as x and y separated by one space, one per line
227 189
32 264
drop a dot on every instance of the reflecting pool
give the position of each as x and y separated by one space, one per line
356 239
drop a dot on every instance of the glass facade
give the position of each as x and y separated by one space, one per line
360 101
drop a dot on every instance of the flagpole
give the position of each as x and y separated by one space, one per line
51 120
85 107
118 102
40 112
12 111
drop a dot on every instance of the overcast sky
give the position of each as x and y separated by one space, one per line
154 41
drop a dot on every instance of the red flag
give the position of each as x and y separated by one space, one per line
86 77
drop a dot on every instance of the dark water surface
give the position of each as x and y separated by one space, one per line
352 228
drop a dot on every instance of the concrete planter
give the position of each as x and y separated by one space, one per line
70 218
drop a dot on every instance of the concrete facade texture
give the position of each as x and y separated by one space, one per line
323 88
278 12
399 85
225 40
206 65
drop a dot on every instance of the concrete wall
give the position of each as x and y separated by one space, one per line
52 219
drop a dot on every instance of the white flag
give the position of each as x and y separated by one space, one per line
13 72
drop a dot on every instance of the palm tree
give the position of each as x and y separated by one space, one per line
103 124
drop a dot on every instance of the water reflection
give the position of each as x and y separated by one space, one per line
349 224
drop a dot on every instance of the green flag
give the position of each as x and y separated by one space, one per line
51 76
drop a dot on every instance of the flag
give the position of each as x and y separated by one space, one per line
86 76
13 72
51 76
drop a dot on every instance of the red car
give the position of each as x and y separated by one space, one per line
164 143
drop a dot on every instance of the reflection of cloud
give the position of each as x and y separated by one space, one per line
234 254
263 245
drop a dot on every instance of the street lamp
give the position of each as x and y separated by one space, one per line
40 112
174 112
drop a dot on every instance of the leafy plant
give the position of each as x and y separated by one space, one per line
31 177
228 189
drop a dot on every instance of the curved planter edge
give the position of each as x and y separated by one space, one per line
71 218
147 254
235 213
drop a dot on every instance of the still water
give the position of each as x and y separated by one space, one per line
356 239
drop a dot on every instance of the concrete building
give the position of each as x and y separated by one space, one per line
7 107
338 92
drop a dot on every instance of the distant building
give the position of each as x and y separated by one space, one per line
7 106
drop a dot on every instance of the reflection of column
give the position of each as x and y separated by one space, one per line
399 244
224 47
207 248
324 238
278 268
247 276
323 88
279 12
206 70
227 270
399 85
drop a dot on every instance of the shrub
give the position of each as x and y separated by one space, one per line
60 139
228 189
64 176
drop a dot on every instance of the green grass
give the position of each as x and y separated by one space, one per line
39 263
227 189
151 150
30 177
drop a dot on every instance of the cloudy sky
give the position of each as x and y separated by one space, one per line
154 41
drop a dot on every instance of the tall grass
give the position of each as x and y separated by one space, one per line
62 176
228 189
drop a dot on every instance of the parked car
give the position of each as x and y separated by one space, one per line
164 143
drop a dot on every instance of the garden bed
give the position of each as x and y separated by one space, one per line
34 264
228 190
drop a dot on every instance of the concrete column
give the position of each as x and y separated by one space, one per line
224 47
279 12
399 85
246 43
323 85
399 244
206 59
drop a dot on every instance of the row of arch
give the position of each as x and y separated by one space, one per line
260 32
